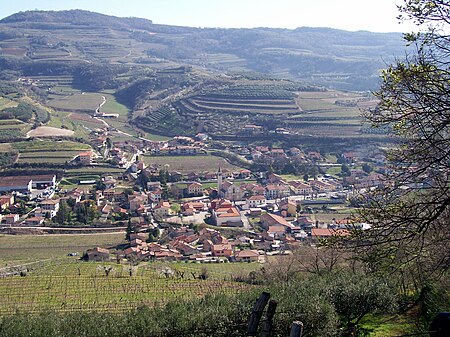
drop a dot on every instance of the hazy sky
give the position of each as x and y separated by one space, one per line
371 15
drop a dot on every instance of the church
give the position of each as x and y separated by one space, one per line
227 189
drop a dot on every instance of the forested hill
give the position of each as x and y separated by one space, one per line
323 56
76 17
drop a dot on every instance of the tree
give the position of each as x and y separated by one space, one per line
130 229
356 295
367 168
63 214
410 215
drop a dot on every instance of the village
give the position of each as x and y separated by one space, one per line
221 215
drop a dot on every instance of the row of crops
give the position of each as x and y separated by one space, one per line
79 286
41 152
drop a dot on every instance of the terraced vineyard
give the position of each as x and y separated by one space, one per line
13 128
41 152
70 285
225 111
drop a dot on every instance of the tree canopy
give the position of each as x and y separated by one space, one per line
410 214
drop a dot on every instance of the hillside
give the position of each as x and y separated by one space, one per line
168 80
321 56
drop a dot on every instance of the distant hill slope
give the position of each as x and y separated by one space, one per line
321 56
76 17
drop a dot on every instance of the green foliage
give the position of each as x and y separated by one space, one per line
95 76
64 213
433 298
86 212
23 112
7 158
409 216
214 315
355 295
367 168
7 134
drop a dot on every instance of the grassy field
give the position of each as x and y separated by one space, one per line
189 163
155 137
15 249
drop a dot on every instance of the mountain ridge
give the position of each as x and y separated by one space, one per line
321 56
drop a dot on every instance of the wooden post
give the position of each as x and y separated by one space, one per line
256 314
296 329
268 321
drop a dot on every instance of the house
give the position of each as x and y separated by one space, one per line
305 222
43 181
155 195
76 195
256 201
348 157
255 211
113 195
50 205
109 182
131 251
247 255
97 254
195 189
258 190
85 158
34 221
137 200
10 218
277 153
288 207
6 201
269 219
275 179
183 247
162 209
221 203
326 233
227 217
275 191
189 208
244 173
315 156
224 250
300 188
276 231
252 129
140 236
322 186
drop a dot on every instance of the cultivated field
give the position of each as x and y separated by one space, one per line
20 249
36 146
54 152
79 101
70 285
189 163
